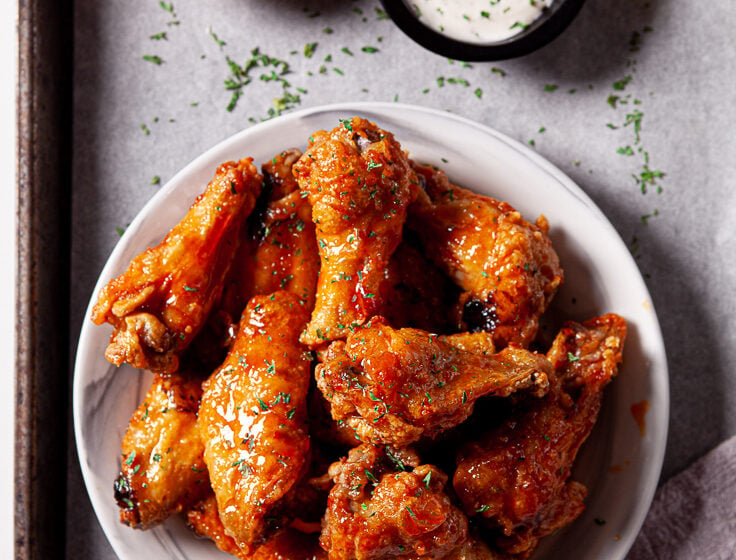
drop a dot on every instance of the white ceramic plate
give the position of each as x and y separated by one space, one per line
619 466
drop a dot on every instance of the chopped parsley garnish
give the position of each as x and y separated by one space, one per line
157 60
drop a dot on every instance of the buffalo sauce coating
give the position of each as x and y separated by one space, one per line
162 469
253 417
516 477
284 544
359 184
160 303
380 508
278 249
416 293
286 255
506 266
397 385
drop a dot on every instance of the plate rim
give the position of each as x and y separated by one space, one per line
651 474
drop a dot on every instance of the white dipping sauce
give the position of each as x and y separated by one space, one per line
478 21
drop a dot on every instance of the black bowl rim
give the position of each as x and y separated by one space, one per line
541 32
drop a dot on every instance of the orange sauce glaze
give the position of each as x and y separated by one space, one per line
639 412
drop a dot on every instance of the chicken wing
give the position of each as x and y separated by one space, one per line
506 267
162 470
278 174
278 249
359 184
385 505
253 418
415 293
284 544
160 303
286 255
395 386
516 477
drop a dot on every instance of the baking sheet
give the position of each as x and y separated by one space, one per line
661 64
43 274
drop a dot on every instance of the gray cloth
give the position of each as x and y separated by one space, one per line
693 515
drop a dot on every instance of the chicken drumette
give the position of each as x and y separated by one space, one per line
506 267
359 183
516 478
397 385
385 505
160 303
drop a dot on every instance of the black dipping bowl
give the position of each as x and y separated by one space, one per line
549 25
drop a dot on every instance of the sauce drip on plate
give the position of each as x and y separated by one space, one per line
639 412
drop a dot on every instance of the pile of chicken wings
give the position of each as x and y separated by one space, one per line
347 364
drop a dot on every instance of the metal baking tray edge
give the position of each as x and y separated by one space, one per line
44 109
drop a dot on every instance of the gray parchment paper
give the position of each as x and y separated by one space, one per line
671 65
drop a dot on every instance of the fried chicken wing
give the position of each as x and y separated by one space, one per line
284 544
163 470
160 303
517 476
415 293
278 249
506 267
359 183
286 255
278 173
253 418
380 507
395 386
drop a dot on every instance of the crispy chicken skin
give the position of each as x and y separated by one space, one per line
380 507
253 418
160 303
415 293
395 386
417 305
278 173
278 249
517 476
284 544
286 255
359 183
162 468
506 267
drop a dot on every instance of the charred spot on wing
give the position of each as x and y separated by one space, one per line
257 221
362 142
124 497
480 316
421 181
278 170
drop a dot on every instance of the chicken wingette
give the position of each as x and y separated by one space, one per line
252 419
161 302
516 478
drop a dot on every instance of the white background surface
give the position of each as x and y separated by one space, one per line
8 65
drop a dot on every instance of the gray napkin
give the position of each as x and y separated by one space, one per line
693 515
